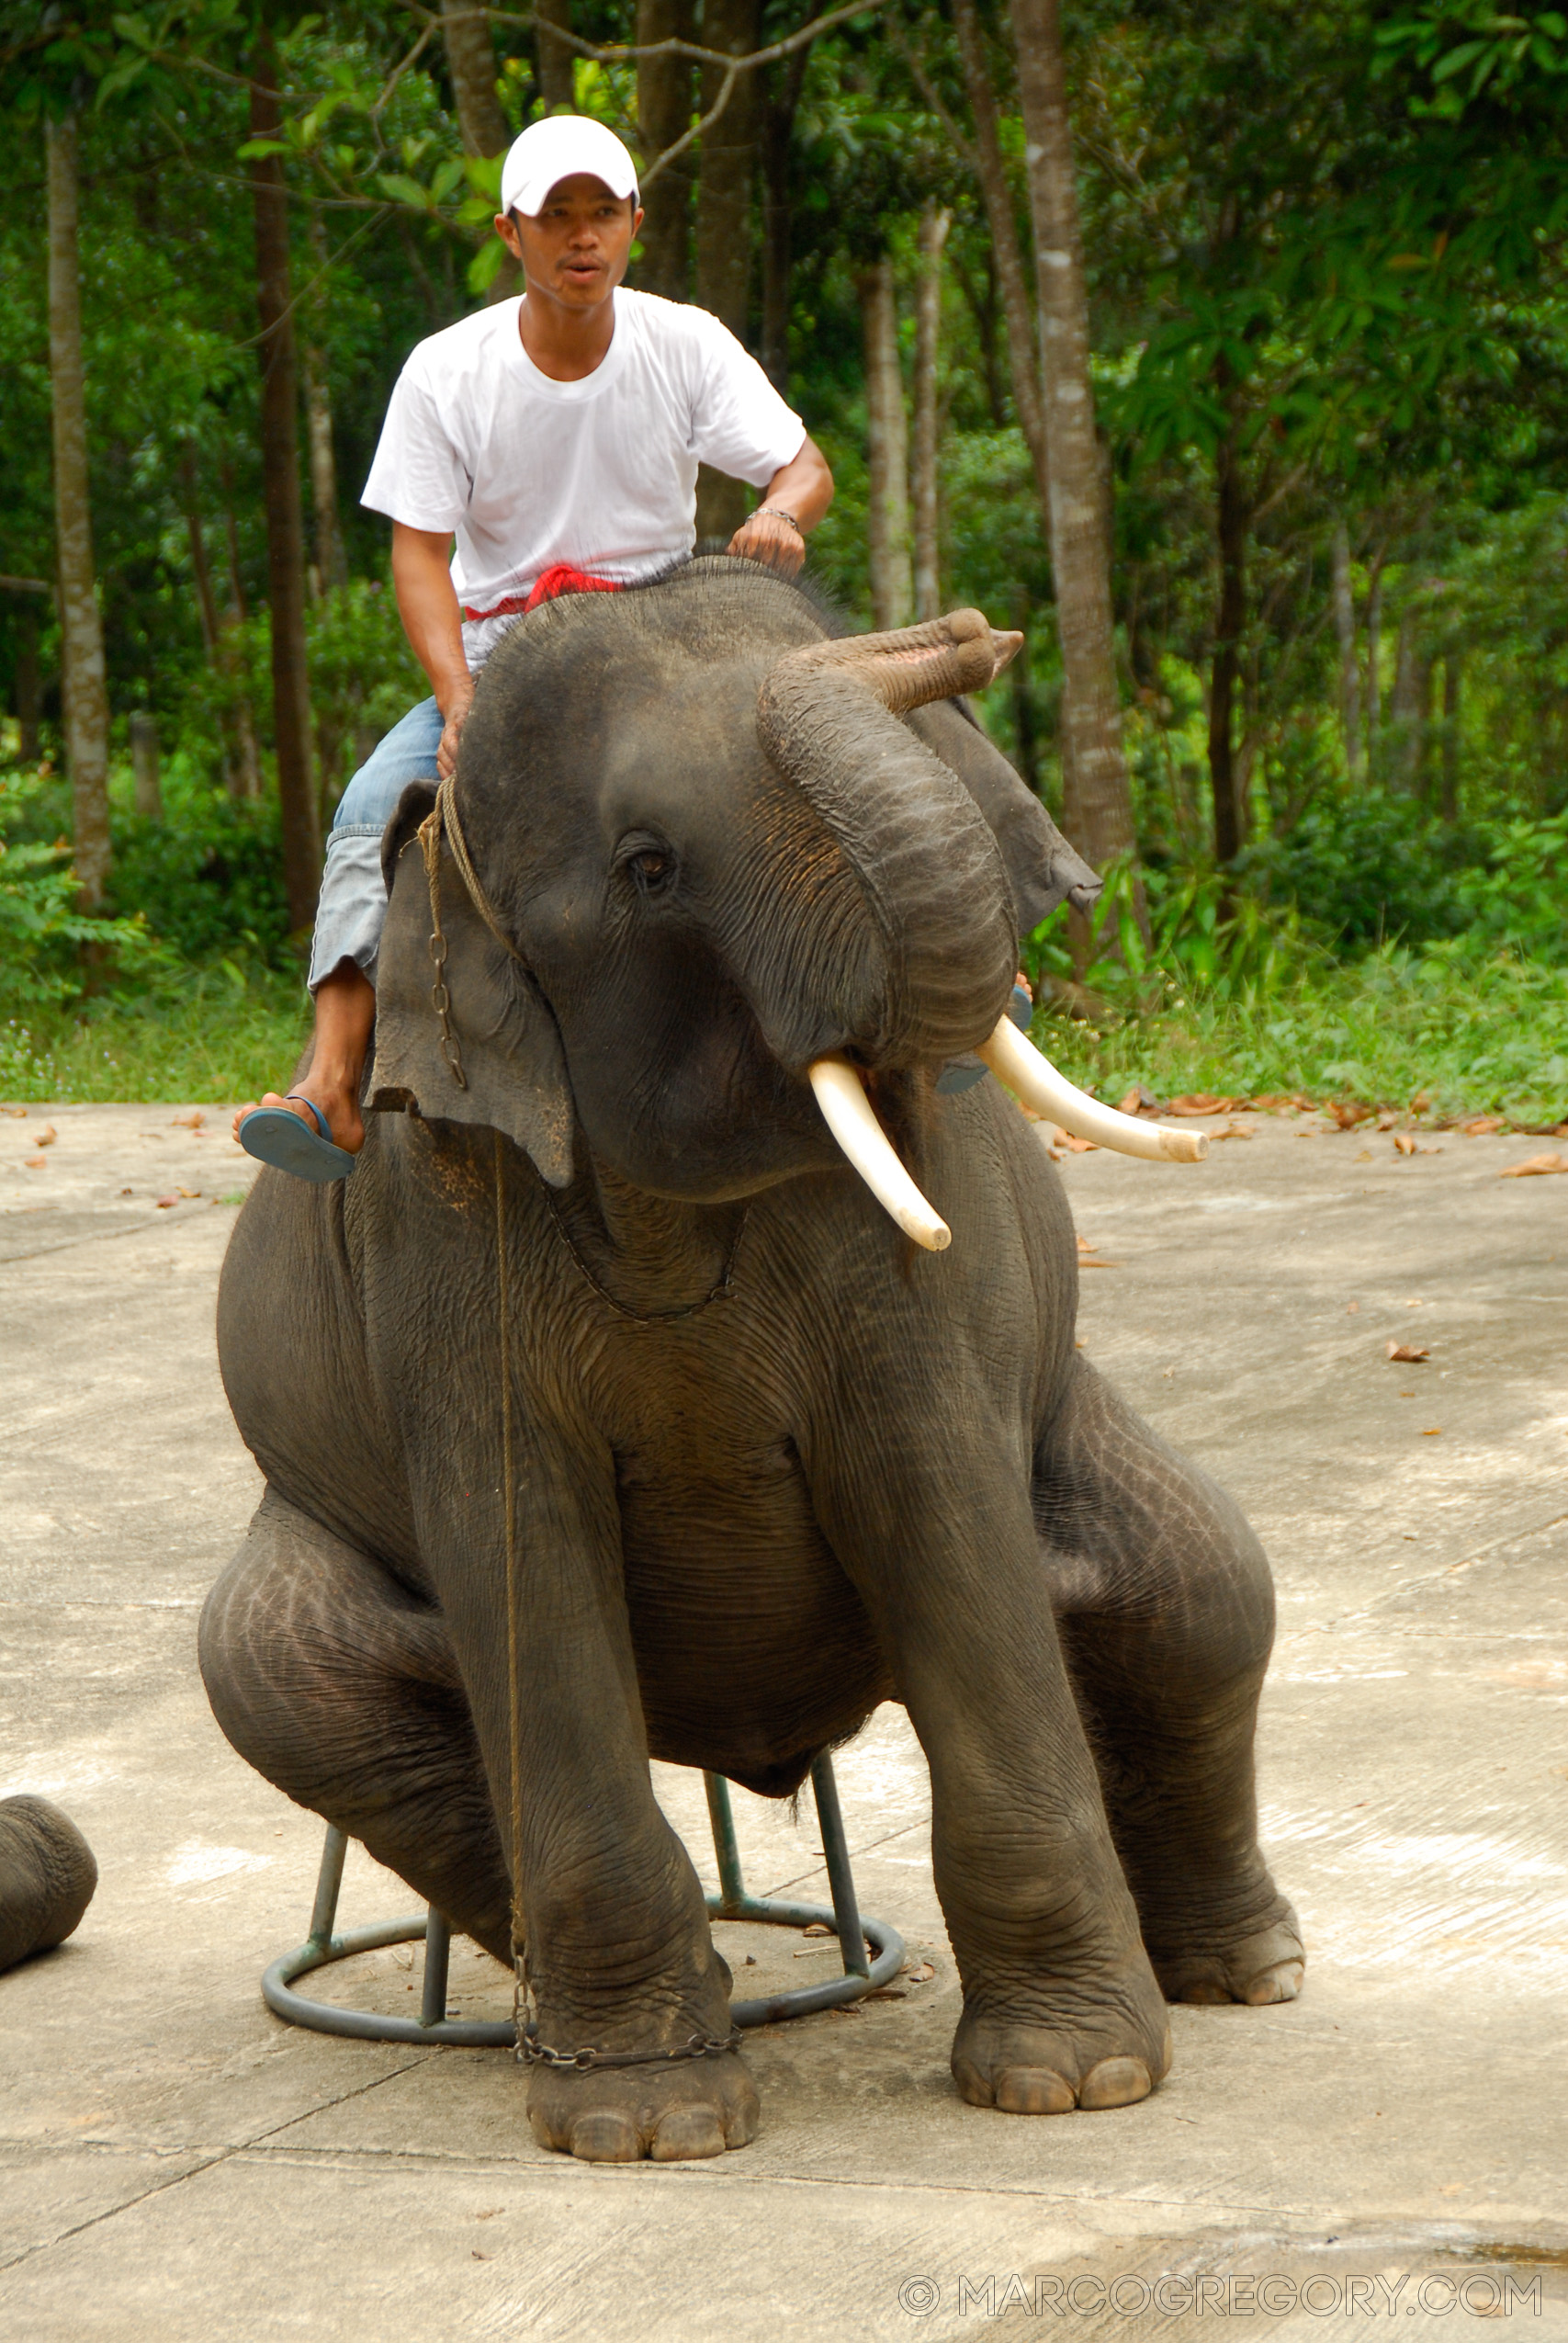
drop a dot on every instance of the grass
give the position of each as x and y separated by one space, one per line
1476 1035
1479 1035
220 1034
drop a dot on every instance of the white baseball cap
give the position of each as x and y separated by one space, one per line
557 148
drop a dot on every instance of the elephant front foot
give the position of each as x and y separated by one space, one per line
1046 2052
618 2114
1256 1964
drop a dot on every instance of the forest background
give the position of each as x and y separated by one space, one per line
1222 351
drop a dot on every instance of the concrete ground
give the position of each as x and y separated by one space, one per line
179 2164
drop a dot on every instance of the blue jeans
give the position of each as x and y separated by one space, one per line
352 911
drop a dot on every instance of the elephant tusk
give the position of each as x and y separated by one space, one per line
1014 1060
847 1113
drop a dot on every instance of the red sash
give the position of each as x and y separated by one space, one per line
561 578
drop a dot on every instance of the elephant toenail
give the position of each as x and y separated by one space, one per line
687 2131
1115 2082
1281 1984
1032 2090
604 2137
1208 1993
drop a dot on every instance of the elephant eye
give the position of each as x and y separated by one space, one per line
652 868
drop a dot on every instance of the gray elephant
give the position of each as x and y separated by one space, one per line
47 1877
605 1415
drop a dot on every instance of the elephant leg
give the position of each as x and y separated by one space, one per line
341 1688
1166 1611
929 1516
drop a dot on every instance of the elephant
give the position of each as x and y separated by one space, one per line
605 1414
48 1877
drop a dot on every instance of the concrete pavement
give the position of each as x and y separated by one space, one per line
176 2164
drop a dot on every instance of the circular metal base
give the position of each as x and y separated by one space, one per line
367 2025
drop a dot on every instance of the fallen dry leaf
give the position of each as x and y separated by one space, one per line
917 1972
1409 1352
1233 1131
1351 1308
36 1163
1534 1167
1386 1118
47 1136
1347 1113
1478 1125
1433 1431
165 1201
187 1192
1278 1101
1203 1102
191 1121
21 1113
1365 1156
1140 1101
1420 1102
127 1192
1077 1147
1403 1143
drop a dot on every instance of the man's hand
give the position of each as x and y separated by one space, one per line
804 489
768 537
456 702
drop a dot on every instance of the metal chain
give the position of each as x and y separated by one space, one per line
534 2053
440 999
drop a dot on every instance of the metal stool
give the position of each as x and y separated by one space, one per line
732 1903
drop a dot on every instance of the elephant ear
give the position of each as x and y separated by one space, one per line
1043 868
515 1077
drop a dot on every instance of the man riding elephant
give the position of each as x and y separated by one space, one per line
557 437
606 1413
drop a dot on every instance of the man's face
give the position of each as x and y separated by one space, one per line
575 251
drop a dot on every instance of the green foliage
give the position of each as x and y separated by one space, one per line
217 1033
43 936
208 885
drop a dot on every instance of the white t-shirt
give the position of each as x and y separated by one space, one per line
599 474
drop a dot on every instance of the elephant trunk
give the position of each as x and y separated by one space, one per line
932 890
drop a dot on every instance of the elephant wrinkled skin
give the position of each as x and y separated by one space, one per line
771 1465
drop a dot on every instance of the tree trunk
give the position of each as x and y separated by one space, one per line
1099 803
1408 708
888 493
284 522
664 113
483 128
1230 814
1374 657
144 765
723 220
1002 220
331 563
470 64
780 105
1349 665
84 692
557 79
934 225
28 692
1454 671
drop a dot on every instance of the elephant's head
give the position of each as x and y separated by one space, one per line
716 857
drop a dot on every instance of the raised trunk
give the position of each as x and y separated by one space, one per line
907 942
285 524
723 220
934 226
664 113
1002 220
1349 670
555 60
83 694
1098 798
888 493
1232 519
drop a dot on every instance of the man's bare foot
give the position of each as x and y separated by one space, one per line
345 1014
341 1110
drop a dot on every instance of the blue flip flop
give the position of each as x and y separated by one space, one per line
274 1136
